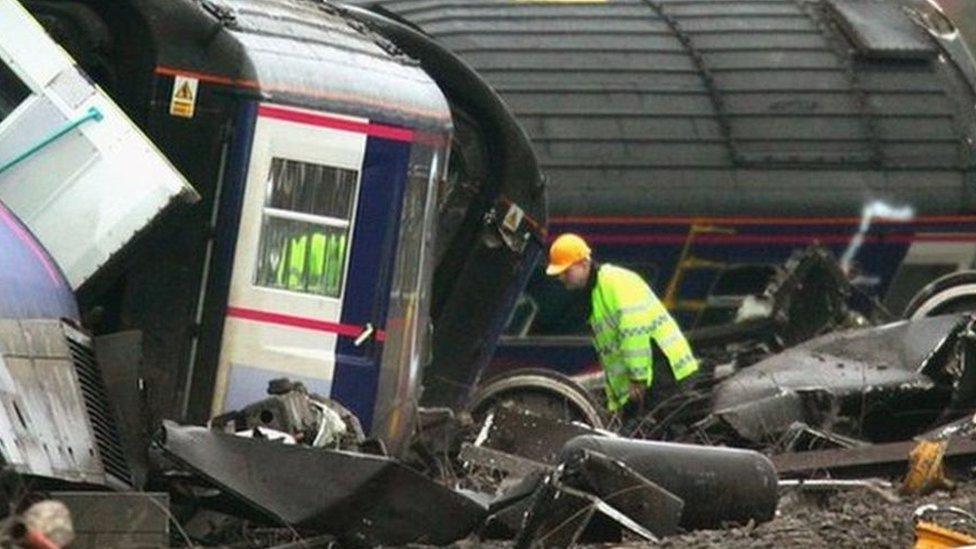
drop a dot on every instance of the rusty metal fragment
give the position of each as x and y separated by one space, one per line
926 469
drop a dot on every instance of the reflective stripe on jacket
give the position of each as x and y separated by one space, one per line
313 264
625 316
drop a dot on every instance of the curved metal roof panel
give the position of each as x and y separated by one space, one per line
755 106
299 51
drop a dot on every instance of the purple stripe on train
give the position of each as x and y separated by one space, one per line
33 285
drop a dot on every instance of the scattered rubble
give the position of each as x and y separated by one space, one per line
845 518
812 443
537 480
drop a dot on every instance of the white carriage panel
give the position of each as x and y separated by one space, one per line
103 180
292 141
254 353
263 332
24 40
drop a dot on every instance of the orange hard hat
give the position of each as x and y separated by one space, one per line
565 250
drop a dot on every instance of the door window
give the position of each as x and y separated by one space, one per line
304 244
12 91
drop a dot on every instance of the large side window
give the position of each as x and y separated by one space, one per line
304 242
12 91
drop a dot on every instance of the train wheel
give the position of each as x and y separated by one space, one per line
543 392
953 293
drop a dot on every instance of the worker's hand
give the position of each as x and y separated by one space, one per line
637 391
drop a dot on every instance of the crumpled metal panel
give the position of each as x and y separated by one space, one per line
883 30
557 518
758 419
768 397
644 502
566 500
363 499
517 431
44 428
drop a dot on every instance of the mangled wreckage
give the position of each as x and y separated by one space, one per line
813 374
361 456
265 337
877 384
812 364
280 456
269 463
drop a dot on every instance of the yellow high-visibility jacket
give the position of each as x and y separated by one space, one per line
313 264
625 316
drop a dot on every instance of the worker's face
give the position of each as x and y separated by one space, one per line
575 277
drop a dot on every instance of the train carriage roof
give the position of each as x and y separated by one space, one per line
279 48
758 105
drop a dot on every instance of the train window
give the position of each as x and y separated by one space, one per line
522 316
729 289
12 91
560 312
305 228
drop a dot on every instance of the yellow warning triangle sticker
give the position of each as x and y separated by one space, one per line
183 102
184 93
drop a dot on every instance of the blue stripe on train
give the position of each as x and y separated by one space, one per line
368 281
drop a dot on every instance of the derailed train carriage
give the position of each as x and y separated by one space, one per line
337 241
334 242
272 245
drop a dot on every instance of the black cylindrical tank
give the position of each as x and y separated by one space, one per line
718 485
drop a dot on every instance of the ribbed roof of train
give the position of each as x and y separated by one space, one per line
652 94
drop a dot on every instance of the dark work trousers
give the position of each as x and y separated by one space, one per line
663 387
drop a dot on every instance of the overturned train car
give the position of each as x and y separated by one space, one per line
700 143
337 242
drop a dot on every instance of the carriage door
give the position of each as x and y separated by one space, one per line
293 262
